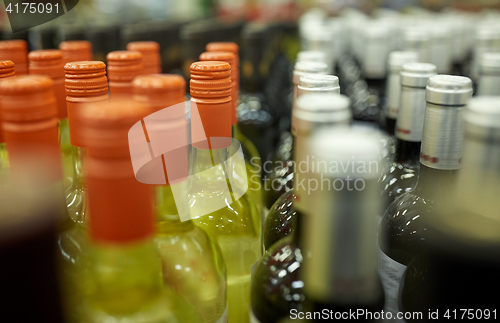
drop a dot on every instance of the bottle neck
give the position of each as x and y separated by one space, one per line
442 141
120 205
167 213
410 120
339 234
407 152
393 94
435 183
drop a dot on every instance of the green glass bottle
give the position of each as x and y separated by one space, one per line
218 203
124 279
192 261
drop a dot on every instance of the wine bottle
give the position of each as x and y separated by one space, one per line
15 50
6 71
393 89
463 237
417 39
84 82
403 172
151 59
280 179
124 277
123 67
192 261
29 218
256 120
340 273
400 235
303 68
440 49
486 40
276 286
76 50
49 62
489 75
228 53
218 204
318 37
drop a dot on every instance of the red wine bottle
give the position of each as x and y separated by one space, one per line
403 172
401 228
458 267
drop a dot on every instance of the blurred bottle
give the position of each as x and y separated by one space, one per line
400 237
318 37
403 172
486 40
192 261
441 47
340 274
124 278
29 217
49 62
85 82
417 39
255 118
217 201
276 287
16 51
376 39
393 89
76 50
6 71
217 51
104 37
311 56
123 67
280 178
463 237
151 59
489 75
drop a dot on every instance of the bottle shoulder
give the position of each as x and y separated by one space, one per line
400 179
276 285
280 221
403 225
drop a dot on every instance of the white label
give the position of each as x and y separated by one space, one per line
390 272
253 318
442 141
224 317
410 121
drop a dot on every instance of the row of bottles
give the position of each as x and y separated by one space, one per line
165 212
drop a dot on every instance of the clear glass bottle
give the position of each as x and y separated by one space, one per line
276 286
192 261
339 273
401 230
124 278
403 172
218 203
457 267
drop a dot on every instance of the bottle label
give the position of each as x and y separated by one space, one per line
390 272
253 318
410 121
224 317
442 140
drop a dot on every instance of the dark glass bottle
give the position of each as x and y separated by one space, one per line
458 267
403 173
340 270
309 115
276 287
401 228
279 179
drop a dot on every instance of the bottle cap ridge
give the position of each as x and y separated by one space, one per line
448 90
